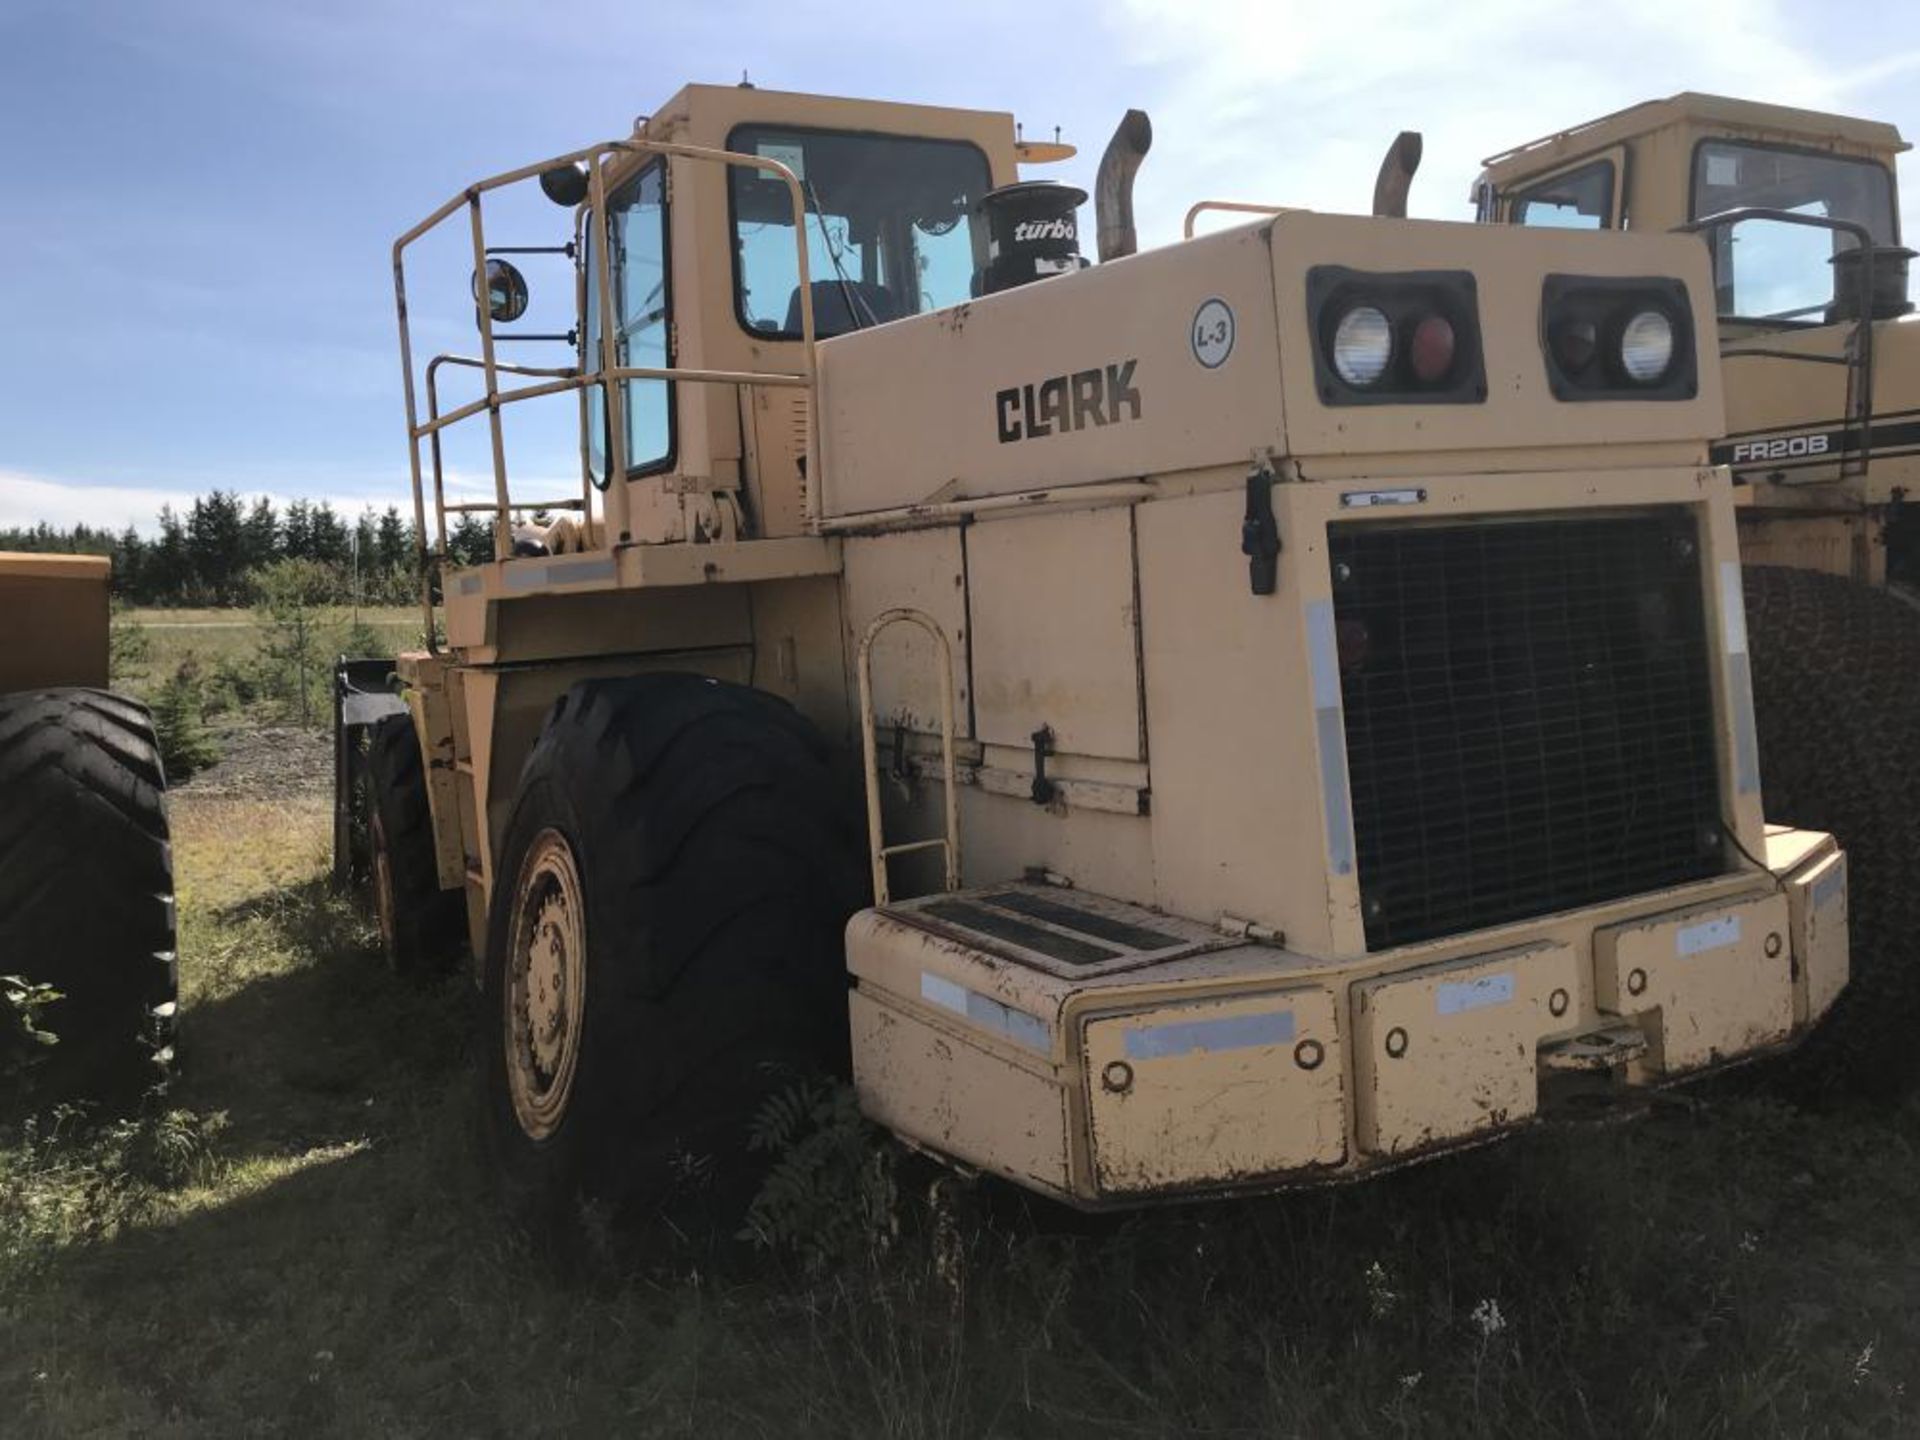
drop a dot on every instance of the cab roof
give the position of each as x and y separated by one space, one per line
1811 127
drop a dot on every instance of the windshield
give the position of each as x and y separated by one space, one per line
889 228
1770 269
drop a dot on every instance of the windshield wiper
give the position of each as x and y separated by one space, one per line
855 302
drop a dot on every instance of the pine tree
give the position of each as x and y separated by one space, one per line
179 724
260 535
167 562
470 542
215 543
297 534
329 535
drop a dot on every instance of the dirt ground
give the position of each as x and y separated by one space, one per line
265 762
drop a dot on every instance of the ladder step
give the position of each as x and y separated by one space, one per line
913 845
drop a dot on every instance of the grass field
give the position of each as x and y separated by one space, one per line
209 637
307 1246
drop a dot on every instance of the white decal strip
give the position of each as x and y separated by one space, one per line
1707 935
1456 996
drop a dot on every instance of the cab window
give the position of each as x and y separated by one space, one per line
1576 200
890 228
1767 269
643 295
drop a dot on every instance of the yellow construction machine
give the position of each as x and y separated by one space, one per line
1820 351
1226 717
86 873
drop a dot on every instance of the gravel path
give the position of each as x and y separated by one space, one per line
265 762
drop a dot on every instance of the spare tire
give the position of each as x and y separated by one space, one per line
86 887
1836 676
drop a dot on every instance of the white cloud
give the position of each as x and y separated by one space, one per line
30 499
62 502
27 500
1293 102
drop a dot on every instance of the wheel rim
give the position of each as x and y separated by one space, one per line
545 992
383 904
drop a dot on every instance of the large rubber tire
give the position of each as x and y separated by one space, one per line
1836 672
715 862
420 924
86 887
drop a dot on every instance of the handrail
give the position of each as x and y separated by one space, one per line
433 413
576 379
1243 207
1853 459
877 847
607 373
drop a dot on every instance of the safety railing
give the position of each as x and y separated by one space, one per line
1237 207
607 373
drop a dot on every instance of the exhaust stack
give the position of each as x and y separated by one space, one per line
1113 187
1396 175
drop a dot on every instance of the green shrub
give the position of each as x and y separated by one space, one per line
129 647
294 600
23 1040
179 723
361 639
831 1199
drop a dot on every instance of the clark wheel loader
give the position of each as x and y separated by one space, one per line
1227 717
1820 353
86 872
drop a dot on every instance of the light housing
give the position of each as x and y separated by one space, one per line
1405 338
1606 337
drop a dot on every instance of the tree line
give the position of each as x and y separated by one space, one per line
210 555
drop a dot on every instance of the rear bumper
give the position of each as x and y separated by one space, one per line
1209 1066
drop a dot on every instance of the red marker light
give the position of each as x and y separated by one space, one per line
1575 343
1430 353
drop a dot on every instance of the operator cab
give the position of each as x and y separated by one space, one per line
1826 182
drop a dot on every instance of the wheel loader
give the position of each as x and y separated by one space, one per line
86 872
1218 718
1820 352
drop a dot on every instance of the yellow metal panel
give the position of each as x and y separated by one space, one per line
57 613
1511 265
427 702
967 1102
922 570
1226 675
1056 632
958 380
1215 1093
1707 983
1817 898
1448 1050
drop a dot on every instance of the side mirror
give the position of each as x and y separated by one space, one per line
565 184
506 291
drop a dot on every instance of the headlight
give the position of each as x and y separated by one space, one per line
1406 337
1646 346
1362 345
1618 337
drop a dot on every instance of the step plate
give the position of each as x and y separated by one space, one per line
1063 932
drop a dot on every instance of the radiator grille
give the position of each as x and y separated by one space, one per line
1529 717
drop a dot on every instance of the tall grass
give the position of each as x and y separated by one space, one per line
303 1242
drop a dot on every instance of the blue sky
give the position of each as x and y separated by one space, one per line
197 197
